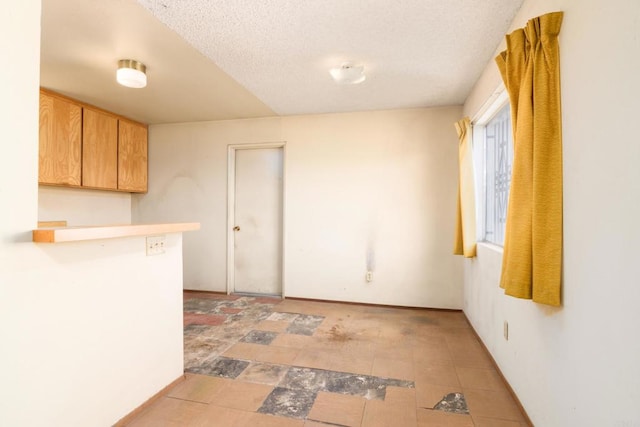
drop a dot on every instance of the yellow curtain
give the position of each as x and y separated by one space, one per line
530 68
465 243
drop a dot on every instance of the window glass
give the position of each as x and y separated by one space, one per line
498 157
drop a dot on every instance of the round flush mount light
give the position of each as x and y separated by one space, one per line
131 73
348 73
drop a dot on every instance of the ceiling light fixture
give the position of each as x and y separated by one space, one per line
348 74
131 73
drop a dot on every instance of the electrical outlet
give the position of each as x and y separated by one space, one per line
506 330
369 276
155 245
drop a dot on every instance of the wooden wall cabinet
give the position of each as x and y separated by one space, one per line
84 146
132 156
99 150
60 154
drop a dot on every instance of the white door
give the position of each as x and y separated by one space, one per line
258 221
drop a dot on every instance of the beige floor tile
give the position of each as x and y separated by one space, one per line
432 355
263 373
170 412
272 325
436 375
392 368
451 319
392 334
401 396
345 362
291 340
337 409
492 404
428 341
477 361
485 379
390 351
309 423
465 348
220 416
277 355
424 332
431 418
314 358
264 420
198 388
396 410
241 395
243 350
468 353
495 422
359 347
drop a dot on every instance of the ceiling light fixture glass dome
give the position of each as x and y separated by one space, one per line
348 73
131 73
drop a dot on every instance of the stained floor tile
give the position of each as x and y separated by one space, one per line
222 367
287 363
259 337
203 319
453 402
304 324
288 403
305 379
264 373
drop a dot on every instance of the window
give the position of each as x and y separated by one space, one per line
493 151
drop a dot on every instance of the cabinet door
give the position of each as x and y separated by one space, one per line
132 156
60 141
99 150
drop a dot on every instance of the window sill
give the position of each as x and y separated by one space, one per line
491 246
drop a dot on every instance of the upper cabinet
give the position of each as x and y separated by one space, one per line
84 146
99 150
60 154
132 156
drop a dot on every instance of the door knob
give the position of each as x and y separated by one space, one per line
236 228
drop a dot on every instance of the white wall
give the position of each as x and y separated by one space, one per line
380 182
188 183
91 330
578 365
79 206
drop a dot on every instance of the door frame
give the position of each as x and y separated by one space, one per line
231 206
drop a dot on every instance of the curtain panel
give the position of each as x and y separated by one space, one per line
465 243
530 69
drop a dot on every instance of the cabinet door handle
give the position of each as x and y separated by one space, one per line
236 228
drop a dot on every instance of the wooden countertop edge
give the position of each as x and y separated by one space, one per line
76 234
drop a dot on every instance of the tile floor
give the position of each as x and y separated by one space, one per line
254 361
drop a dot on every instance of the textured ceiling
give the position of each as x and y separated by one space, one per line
82 41
226 59
416 52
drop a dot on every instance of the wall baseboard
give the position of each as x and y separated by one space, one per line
497 368
454 310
